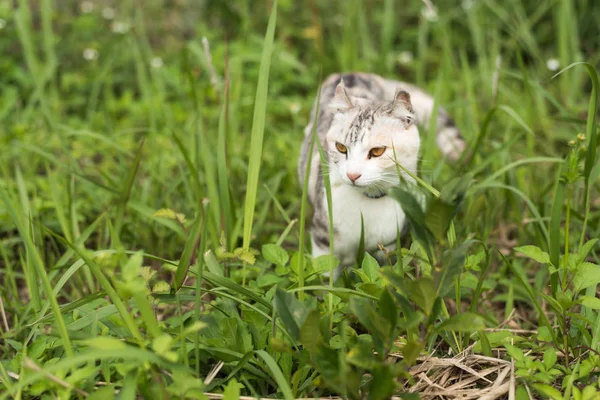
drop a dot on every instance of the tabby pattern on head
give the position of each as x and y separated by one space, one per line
366 137
366 124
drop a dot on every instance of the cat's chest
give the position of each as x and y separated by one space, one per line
383 218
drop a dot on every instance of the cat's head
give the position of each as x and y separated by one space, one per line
366 135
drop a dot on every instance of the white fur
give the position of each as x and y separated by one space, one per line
383 217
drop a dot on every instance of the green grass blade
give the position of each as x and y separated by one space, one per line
36 260
284 386
258 129
190 248
106 285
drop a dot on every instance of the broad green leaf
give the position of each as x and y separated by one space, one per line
465 322
422 292
590 302
103 393
388 309
438 217
212 264
382 385
535 253
310 334
453 262
275 254
291 311
370 318
323 263
587 275
585 250
361 355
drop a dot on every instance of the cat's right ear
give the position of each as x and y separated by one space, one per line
341 101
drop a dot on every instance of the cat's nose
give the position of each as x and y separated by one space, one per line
353 177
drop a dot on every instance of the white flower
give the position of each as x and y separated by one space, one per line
405 57
467 4
108 13
86 7
2 23
90 54
553 64
120 27
156 62
430 13
295 108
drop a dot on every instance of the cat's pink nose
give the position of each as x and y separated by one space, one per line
353 177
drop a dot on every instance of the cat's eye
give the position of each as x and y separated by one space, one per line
341 148
376 151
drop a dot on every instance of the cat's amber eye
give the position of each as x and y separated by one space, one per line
341 148
376 151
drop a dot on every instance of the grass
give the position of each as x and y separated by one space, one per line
153 231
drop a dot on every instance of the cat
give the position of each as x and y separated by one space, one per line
363 119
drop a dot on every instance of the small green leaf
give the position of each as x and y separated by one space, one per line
548 390
514 352
275 254
370 266
544 334
535 253
412 350
465 322
131 269
162 344
161 287
245 255
550 358
232 390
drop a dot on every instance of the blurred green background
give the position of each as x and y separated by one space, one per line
83 83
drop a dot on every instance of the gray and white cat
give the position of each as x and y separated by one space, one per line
363 120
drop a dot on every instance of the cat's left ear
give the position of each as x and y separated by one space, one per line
401 107
341 101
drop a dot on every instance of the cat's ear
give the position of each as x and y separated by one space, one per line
341 101
401 107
